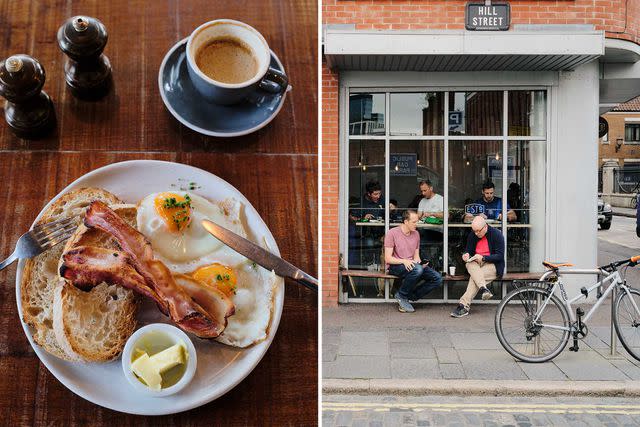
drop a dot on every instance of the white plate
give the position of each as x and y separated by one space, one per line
220 367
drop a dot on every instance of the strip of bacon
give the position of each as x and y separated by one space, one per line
182 309
88 266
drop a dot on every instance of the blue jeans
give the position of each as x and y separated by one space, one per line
410 279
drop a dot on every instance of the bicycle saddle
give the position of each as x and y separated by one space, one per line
554 265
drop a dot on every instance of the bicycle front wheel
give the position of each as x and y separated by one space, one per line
626 319
521 335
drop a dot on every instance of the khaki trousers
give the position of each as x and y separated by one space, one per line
481 273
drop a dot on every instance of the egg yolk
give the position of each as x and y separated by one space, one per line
175 210
219 276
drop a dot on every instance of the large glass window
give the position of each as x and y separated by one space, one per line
417 113
477 165
475 113
416 173
526 196
527 113
475 183
366 114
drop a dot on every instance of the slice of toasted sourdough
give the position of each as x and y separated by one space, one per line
40 275
94 326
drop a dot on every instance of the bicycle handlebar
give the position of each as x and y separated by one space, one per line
633 261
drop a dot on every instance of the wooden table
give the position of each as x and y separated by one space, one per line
276 168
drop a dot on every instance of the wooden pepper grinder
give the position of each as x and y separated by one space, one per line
87 70
29 110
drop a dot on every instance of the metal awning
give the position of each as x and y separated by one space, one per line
619 73
429 50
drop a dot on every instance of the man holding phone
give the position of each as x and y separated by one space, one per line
402 256
484 258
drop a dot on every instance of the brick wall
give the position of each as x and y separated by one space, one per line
330 186
619 18
616 130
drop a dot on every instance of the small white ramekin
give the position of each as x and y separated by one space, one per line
176 336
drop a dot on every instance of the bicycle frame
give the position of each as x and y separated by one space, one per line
614 279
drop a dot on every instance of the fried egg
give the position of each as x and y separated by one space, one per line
251 288
171 221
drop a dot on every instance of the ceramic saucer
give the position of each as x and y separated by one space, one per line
186 104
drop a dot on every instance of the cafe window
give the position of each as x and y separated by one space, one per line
480 152
632 133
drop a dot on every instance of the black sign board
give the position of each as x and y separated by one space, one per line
495 17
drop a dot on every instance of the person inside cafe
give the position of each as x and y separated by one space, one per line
431 204
394 212
372 203
484 258
402 256
492 205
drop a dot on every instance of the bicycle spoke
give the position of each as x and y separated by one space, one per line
521 336
627 321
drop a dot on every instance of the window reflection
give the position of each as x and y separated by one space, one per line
526 195
527 113
417 113
475 113
366 114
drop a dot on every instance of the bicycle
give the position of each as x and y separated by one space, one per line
534 325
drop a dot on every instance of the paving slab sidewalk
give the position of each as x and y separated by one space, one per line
374 345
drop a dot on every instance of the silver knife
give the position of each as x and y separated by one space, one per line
260 255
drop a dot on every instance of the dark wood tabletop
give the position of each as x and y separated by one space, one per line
275 168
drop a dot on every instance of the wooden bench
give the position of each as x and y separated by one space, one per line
350 274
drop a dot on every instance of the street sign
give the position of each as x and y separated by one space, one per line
482 17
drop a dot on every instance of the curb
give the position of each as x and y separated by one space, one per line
415 387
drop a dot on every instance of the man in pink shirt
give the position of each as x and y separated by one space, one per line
402 255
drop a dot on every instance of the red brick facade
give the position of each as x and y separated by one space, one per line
618 18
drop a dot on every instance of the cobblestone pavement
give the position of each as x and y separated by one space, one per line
374 411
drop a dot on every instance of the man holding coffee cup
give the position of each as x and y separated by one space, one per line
402 255
484 258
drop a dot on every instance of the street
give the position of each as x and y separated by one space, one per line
381 411
618 243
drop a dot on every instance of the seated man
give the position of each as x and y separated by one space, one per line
485 262
432 203
402 255
492 205
372 203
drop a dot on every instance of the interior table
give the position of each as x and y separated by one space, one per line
275 168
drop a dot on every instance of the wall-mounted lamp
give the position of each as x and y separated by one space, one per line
618 144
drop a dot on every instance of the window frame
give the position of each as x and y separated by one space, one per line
345 139
636 126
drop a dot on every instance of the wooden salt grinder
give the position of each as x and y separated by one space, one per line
87 70
29 110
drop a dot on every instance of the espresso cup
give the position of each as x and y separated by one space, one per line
247 38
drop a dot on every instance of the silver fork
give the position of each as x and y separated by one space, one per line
42 237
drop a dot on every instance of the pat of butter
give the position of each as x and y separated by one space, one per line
150 368
145 369
169 357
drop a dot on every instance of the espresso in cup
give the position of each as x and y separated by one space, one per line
227 60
